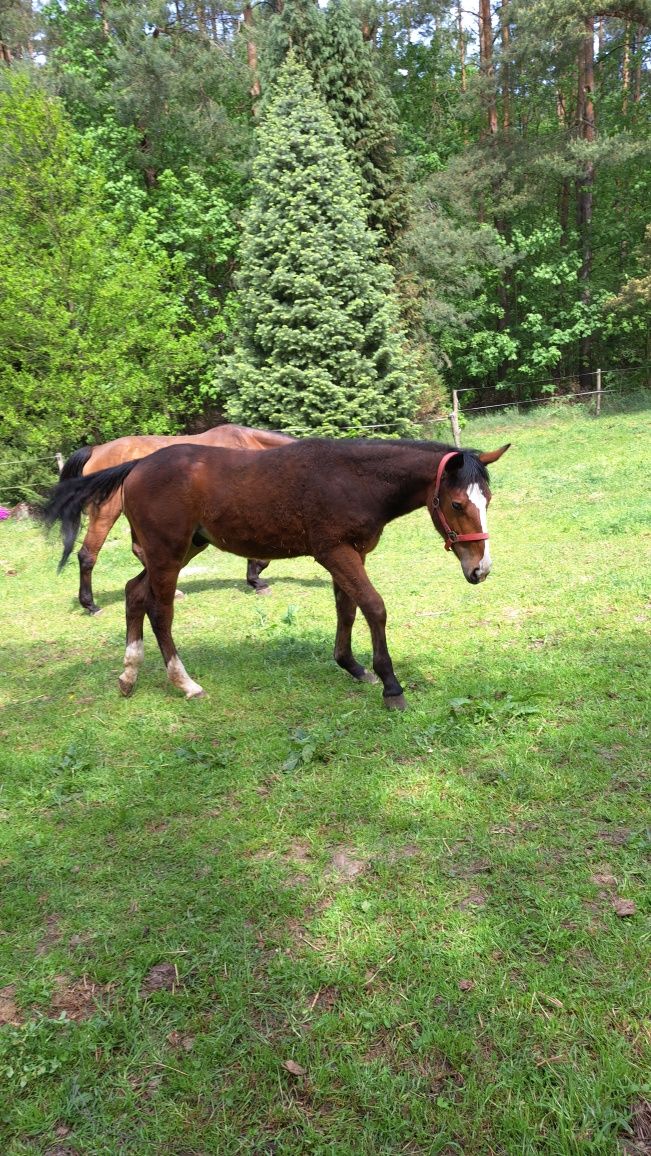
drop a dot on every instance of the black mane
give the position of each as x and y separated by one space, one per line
471 471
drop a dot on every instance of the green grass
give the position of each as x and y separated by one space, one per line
418 910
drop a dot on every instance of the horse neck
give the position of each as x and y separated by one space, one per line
405 474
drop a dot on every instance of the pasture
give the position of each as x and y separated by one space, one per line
282 919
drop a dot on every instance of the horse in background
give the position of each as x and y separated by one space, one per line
103 516
325 498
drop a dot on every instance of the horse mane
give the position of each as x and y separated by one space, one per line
472 469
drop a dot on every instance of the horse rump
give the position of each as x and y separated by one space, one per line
66 501
74 466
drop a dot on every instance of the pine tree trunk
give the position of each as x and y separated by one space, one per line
564 192
486 63
585 185
251 52
506 66
626 67
462 47
103 18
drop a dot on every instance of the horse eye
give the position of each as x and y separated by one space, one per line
457 506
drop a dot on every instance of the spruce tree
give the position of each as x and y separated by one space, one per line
331 46
319 345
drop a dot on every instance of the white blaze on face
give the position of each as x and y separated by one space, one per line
478 499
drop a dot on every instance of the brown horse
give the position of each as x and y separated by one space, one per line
327 499
102 517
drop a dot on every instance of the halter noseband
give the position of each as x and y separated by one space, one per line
449 534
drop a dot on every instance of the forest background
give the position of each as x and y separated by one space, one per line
487 190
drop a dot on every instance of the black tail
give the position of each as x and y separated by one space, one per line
74 466
67 500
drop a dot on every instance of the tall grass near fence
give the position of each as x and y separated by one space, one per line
281 919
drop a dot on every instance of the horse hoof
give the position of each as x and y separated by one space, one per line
126 688
179 594
368 676
200 693
94 611
395 702
263 590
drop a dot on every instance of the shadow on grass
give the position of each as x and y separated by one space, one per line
191 585
404 931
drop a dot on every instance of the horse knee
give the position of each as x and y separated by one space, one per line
86 559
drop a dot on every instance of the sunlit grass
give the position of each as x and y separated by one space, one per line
419 911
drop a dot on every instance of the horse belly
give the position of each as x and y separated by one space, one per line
249 540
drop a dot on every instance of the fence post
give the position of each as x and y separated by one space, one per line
59 460
454 419
598 399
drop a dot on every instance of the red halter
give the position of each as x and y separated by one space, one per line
449 534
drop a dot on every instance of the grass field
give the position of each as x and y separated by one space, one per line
284 920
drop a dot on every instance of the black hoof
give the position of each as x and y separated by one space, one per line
395 702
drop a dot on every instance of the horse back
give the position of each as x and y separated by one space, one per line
133 447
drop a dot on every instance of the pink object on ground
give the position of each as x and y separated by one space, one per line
4 513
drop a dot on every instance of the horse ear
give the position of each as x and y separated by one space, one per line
493 455
454 463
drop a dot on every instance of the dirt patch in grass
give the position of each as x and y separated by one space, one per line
407 851
325 999
617 836
79 999
639 1141
181 1041
300 879
161 977
51 937
9 1012
344 866
474 899
298 851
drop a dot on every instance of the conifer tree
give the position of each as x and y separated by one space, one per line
319 346
331 46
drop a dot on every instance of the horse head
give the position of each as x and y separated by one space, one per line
457 501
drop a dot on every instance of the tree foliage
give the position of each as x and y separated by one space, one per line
319 345
97 334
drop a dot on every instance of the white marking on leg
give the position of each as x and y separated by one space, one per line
478 499
177 674
133 659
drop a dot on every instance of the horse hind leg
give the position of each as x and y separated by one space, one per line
160 611
135 599
254 568
101 521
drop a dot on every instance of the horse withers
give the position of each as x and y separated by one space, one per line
103 516
325 498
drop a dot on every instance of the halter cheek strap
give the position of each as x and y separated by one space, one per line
449 534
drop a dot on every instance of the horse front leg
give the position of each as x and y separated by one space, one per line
346 611
254 569
101 520
347 570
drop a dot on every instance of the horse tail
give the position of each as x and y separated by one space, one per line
66 501
74 467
